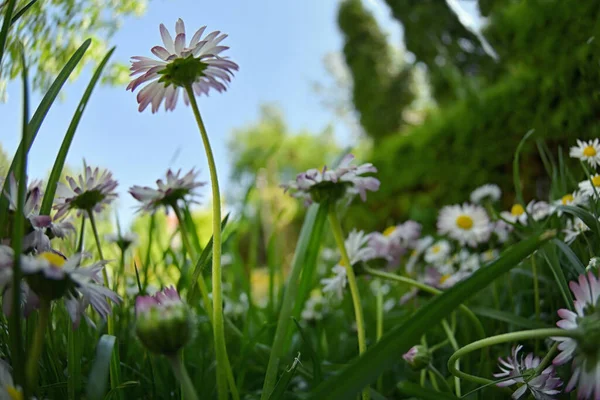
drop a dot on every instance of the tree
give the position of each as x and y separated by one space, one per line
52 31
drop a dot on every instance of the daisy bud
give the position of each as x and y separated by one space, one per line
164 323
418 357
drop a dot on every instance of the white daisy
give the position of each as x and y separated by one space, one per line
590 187
91 192
466 261
8 388
336 283
515 215
587 151
488 191
315 308
489 256
315 185
198 64
169 193
395 240
420 246
520 370
574 228
593 264
538 210
583 350
438 253
502 230
569 199
124 241
468 224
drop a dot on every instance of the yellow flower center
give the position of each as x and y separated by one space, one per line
464 222
436 249
389 230
596 180
444 278
517 210
567 199
13 393
53 258
589 151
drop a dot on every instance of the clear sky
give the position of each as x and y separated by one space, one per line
279 46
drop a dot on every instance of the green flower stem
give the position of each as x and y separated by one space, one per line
536 288
336 227
81 235
223 366
504 338
115 371
379 322
187 387
38 343
454 345
547 359
192 254
433 370
426 288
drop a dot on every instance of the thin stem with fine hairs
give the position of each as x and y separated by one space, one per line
223 366
187 387
336 227
38 343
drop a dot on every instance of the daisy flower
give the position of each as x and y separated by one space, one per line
418 357
519 370
315 185
444 277
357 247
502 230
515 215
315 308
466 261
569 199
574 228
583 350
590 187
169 193
420 247
33 196
8 388
587 151
91 192
538 210
51 276
438 253
164 323
468 224
395 240
124 241
488 191
336 283
197 63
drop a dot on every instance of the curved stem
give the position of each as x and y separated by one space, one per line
433 370
192 254
358 312
38 343
187 386
223 366
379 322
504 338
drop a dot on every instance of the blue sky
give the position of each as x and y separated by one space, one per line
279 46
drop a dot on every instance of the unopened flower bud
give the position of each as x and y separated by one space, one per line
164 323
418 357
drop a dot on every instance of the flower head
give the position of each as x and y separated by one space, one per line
520 370
516 214
590 187
315 185
574 228
582 349
488 191
164 323
438 253
468 224
197 64
8 389
169 193
91 192
418 357
122 240
395 240
587 151
538 210
52 276
336 283
315 307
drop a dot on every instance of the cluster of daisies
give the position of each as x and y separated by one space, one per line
469 236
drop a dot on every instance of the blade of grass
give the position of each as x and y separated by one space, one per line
7 22
39 115
22 11
414 390
516 174
398 340
314 355
279 348
508 317
559 276
284 381
583 215
68 139
98 379
575 263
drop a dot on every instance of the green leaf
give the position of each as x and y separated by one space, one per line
508 317
6 23
22 11
313 218
98 380
384 354
421 393
284 381
584 215
122 386
73 361
203 260
66 143
516 174
314 356
559 276
574 262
